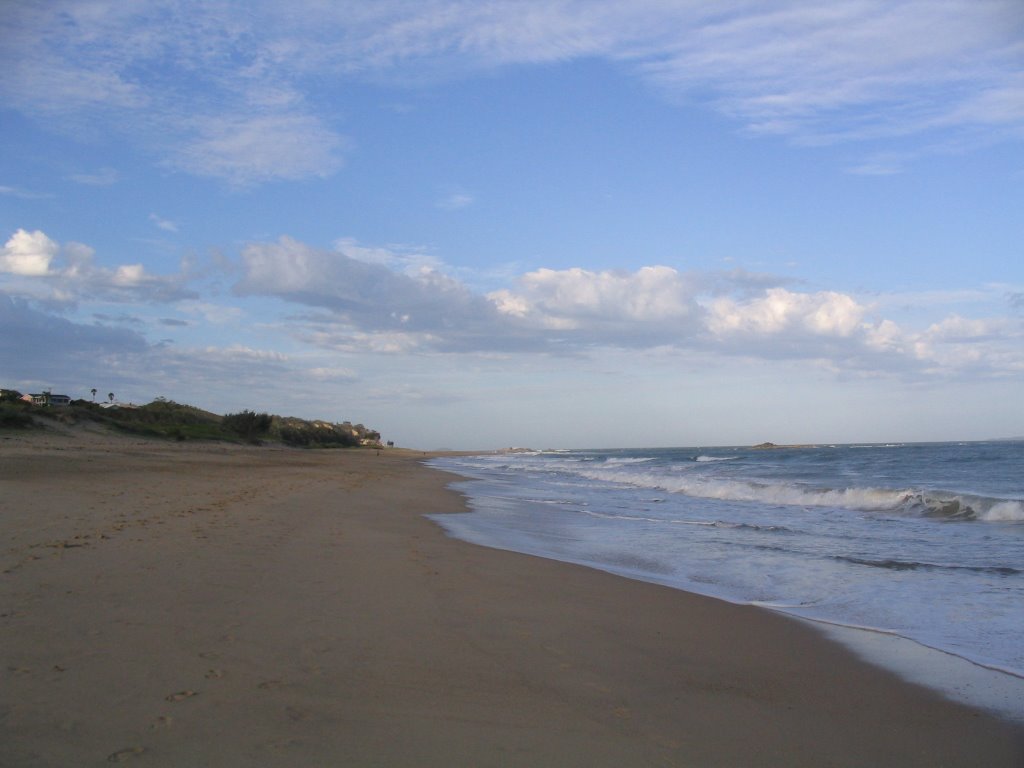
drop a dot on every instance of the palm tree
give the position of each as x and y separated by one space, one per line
111 396
94 394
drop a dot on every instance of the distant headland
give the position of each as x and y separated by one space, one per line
773 446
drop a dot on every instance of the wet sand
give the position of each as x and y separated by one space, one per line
197 604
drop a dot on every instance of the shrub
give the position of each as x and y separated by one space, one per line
247 424
316 434
13 416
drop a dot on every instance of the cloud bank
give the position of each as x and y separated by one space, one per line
299 329
369 306
358 299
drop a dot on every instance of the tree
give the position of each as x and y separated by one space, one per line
93 390
110 395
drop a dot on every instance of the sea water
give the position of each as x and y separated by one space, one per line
915 542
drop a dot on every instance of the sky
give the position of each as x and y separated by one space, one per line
504 223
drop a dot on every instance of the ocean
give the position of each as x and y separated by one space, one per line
921 545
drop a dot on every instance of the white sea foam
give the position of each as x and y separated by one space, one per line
716 458
1004 512
902 500
765 493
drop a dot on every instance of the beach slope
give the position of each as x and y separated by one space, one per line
184 604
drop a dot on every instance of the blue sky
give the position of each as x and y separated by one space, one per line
482 224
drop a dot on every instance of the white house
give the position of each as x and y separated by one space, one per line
47 399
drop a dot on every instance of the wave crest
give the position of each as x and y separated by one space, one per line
898 501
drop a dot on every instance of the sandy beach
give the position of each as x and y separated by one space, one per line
184 604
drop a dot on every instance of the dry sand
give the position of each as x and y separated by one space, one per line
202 605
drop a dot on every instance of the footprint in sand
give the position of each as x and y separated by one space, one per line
270 684
215 674
125 754
181 695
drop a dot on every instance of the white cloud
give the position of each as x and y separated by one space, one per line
849 69
407 260
162 223
840 70
246 150
455 201
23 194
28 253
881 164
368 296
1001 103
957 328
331 374
387 303
571 298
344 338
248 354
384 313
210 312
825 313
68 273
961 344
45 83
104 177
369 307
248 103
955 345
886 336
128 275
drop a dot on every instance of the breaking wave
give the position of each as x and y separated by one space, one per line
898 501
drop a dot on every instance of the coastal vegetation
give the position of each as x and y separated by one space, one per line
167 419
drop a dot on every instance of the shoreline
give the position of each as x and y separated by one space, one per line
993 689
205 604
997 691
974 681
956 676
